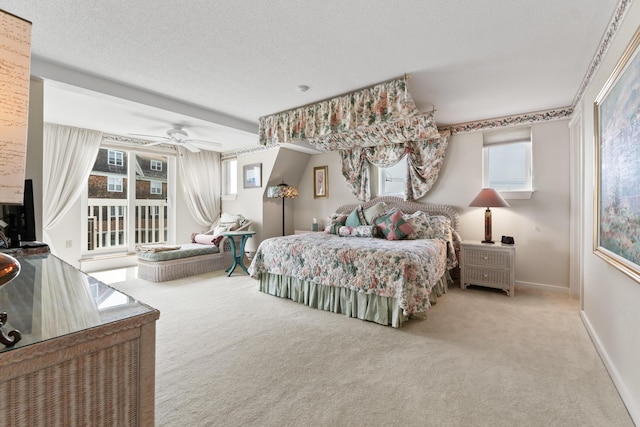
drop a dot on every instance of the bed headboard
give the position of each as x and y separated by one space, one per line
409 207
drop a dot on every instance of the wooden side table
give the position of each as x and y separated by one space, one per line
238 255
486 264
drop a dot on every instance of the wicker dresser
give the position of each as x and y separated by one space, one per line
486 264
87 353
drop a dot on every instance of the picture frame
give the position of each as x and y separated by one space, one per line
320 182
617 156
252 175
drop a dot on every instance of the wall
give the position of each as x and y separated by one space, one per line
610 299
540 225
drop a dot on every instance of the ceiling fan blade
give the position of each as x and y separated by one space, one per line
202 141
189 146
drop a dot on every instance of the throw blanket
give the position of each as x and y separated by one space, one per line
156 248
406 269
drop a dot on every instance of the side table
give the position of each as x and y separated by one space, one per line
490 265
238 256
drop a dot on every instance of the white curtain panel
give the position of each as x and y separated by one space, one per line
200 179
69 155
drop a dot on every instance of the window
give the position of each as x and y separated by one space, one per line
114 184
134 208
507 160
230 176
116 211
156 187
116 158
392 180
156 165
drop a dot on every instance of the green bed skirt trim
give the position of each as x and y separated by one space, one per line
382 310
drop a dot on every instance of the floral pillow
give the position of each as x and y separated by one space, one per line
421 225
359 231
393 225
334 223
441 228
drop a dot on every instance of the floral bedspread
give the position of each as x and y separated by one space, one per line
404 269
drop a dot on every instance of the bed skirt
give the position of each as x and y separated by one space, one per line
382 310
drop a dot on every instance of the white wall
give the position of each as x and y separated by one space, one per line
611 300
540 225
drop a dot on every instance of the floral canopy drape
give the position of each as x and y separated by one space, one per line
375 125
424 161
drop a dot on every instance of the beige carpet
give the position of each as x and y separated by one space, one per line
228 355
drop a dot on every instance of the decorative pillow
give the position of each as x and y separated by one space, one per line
224 227
203 239
393 225
359 231
353 220
334 223
373 212
233 221
421 225
441 228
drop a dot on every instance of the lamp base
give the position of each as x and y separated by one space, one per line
488 241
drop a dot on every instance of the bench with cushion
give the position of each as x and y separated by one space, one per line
159 263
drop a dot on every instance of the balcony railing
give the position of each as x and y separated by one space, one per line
108 222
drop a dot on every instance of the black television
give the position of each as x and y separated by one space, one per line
21 219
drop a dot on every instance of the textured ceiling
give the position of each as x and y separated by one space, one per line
230 62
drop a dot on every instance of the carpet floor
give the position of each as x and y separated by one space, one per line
229 355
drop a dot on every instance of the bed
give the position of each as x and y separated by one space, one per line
369 278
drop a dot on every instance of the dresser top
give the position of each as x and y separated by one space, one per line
51 298
486 245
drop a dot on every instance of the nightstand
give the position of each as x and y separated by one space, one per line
486 264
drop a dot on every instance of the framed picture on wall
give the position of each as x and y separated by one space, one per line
320 182
617 153
252 175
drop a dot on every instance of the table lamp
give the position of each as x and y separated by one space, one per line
488 198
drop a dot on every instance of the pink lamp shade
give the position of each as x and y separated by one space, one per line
488 198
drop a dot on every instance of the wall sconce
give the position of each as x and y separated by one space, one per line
488 198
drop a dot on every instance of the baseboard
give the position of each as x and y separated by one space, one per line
108 262
634 412
554 288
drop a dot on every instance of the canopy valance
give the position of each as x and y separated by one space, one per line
378 115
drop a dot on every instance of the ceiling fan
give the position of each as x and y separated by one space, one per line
178 136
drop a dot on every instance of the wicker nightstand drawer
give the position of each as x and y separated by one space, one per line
487 276
487 265
488 257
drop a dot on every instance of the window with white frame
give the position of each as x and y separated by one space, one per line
116 211
507 160
156 165
392 180
114 184
156 187
230 176
116 157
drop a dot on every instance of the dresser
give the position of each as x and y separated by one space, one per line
486 264
87 353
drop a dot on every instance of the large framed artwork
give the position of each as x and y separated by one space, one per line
617 168
252 175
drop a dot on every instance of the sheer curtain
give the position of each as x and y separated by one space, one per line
69 155
200 178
